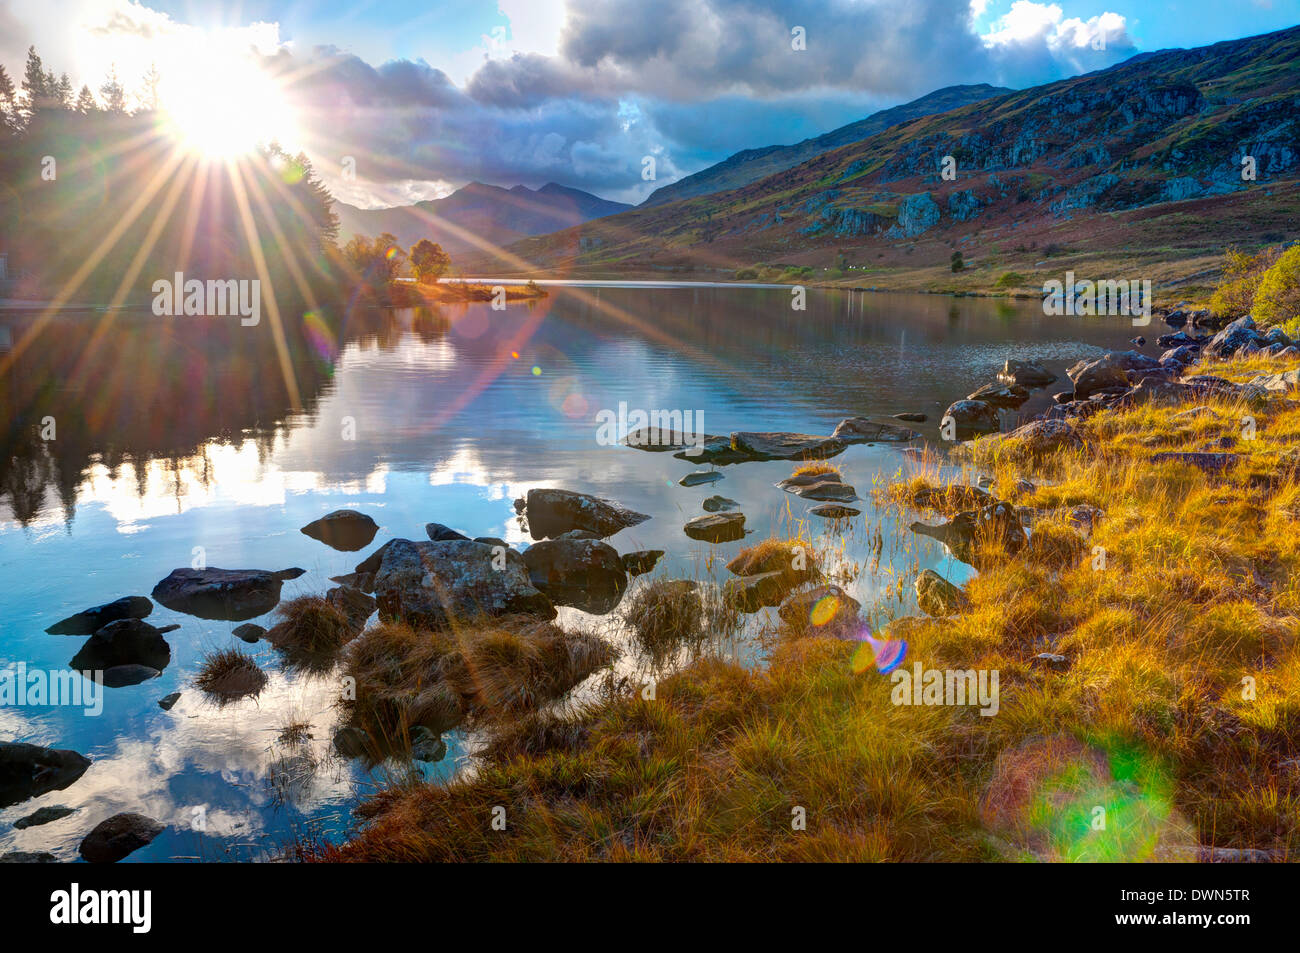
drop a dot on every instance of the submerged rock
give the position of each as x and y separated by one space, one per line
28 771
819 486
642 561
911 417
550 512
249 632
119 836
826 609
751 593
28 857
863 430
44 815
780 445
718 528
833 511
229 594
978 537
122 676
126 642
88 620
435 584
587 574
344 530
700 477
715 504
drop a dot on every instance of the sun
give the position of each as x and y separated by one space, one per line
222 110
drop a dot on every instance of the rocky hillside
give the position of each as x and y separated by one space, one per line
490 213
751 165
1110 151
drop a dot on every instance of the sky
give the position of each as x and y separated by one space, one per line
398 101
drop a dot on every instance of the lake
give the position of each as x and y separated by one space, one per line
172 434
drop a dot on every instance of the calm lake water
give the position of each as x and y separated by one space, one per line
172 434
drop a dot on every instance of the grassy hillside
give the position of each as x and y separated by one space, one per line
751 165
1142 159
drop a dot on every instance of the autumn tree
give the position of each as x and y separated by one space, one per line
429 261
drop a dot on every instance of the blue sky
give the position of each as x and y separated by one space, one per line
429 95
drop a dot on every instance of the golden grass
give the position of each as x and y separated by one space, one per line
492 668
818 468
1177 713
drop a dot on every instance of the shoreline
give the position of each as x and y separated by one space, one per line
1109 564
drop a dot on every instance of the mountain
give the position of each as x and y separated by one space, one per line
492 214
1146 154
751 165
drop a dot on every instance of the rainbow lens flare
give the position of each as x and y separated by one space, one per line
885 654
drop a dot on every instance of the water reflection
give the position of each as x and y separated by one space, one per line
176 434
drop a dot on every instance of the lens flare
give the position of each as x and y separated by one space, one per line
885 654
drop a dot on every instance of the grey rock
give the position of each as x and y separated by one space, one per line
938 597
718 528
439 533
863 430
715 504
550 512
119 836
700 477
972 418
833 511
642 561
344 530
1025 374
780 445
88 620
44 815
229 594
27 857
168 702
249 632
28 771
122 643
434 584
587 574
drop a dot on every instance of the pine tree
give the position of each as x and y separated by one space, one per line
63 91
113 92
8 103
86 101
35 92
149 92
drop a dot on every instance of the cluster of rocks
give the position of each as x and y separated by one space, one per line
977 414
28 771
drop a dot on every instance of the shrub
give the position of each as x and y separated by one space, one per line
1277 300
1242 273
229 675
746 274
957 263
1010 279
